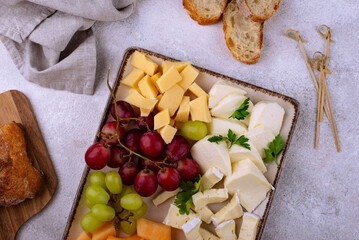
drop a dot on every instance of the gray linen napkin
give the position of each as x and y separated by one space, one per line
51 42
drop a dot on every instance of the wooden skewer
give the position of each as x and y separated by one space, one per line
318 112
322 95
300 41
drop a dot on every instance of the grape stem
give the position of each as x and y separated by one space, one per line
118 119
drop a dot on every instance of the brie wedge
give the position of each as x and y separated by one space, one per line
210 178
201 200
226 230
267 114
238 153
249 227
175 219
207 235
208 155
221 89
164 196
220 126
191 229
249 183
232 210
205 214
260 137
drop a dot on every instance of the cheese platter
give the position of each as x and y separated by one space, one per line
204 153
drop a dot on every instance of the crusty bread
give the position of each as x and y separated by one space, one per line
205 12
258 10
243 36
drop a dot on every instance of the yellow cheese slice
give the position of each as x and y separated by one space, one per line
148 103
167 133
162 119
171 99
199 110
178 65
183 110
145 112
133 78
197 90
168 79
147 88
140 61
134 98
188 75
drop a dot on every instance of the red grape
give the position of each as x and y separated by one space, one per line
150 165
146 183
132 140
97 156
178 148
110 129
117 157
124 111
128 172
188 169
149 120
152 144
169 178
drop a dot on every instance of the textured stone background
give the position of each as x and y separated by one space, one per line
318 194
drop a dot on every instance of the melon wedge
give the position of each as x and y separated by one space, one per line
105 230
153 231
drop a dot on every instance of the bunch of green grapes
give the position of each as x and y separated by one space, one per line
107 198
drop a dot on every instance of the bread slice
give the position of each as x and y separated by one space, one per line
243 36
258 10
205 12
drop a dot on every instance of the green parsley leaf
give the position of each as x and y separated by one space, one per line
217 139
241 112
231 136
183 199
243 141
275 148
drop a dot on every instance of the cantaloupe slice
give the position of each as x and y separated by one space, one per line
103 231
84 236
133 237
152 230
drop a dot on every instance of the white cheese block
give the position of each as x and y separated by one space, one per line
229 104
220 126
249 183
249 227
164 196
201 200
175 219
232 210
210 178
226 230
260 137
239 153
208 155
207 235
267 114
191 229
221 89
205 214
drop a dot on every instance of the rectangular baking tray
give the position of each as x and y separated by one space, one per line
205 79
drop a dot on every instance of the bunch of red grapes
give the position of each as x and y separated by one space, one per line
142 156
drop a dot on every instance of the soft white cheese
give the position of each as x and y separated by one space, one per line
191 229
239 153
175 219
232 210
260 137
249 183
207 235
221 89
201 200
205 214
210 178
249 227
267 114
226 230
208 155
164 196
220 126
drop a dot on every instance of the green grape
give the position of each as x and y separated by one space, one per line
126 189
103 212
140 212
97 194
113 182
194 130
89 204
128 226
131 201
89 222
98 178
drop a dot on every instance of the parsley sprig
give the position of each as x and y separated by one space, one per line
275 148
241 112
183 199
232 138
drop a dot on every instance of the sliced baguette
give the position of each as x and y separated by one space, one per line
205 12
258 10
243 36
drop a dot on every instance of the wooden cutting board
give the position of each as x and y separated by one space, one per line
16 107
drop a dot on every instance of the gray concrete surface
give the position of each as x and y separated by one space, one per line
318 194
